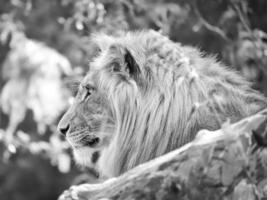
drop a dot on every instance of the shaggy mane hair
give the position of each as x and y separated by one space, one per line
169 94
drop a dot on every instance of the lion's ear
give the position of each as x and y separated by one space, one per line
131 65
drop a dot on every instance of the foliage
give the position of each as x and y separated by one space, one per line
43 44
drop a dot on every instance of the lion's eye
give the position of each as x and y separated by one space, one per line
89 90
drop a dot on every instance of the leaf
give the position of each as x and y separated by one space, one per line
34 81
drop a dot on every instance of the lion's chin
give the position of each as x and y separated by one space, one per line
82 156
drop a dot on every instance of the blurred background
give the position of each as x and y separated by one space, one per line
45 49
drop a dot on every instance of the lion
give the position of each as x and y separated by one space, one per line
146 95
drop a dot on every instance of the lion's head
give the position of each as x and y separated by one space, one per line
139 99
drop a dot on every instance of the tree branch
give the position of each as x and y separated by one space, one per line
256 40
207 25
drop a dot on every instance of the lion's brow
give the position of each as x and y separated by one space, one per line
72 84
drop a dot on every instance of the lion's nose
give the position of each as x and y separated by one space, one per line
63 129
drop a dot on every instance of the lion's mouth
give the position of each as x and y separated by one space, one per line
83 138
92 142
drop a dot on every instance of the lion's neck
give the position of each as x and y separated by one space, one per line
139 135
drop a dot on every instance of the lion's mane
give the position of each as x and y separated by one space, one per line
159 94
177 92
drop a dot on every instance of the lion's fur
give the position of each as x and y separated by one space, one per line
155 110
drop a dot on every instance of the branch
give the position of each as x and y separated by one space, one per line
208 26
256 40
242 18
223 164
